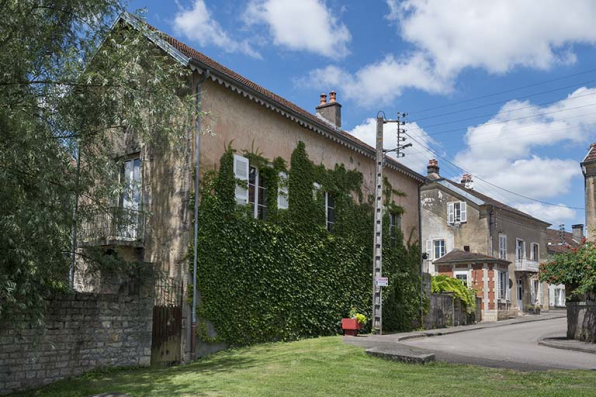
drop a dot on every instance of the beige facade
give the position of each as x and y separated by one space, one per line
490 228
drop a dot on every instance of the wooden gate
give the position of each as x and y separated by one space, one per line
167 323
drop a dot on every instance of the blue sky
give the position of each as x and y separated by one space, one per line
511 86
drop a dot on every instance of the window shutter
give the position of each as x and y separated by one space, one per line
463 212
241 172
507 287
429 249
282 191
450 213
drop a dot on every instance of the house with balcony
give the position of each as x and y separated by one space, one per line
455 216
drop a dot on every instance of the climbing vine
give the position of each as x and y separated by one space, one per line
288 277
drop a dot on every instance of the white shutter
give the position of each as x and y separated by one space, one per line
498 275
429 249
282 191
316 189
450 213
241 172
463 213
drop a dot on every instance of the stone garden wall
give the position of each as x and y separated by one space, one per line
82 331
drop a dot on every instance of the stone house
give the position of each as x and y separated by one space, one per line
250 117
588 166
560 241
455 216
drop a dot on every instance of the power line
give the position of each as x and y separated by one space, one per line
503 92
492 184
513 99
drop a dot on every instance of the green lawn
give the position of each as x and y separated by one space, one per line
321 367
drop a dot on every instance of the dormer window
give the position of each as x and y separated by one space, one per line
456 212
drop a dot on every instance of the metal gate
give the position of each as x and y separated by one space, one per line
167 323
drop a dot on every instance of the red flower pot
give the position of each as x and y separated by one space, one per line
350 326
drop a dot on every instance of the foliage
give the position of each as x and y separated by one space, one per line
442 283
288 277
358 316
575 268
66 81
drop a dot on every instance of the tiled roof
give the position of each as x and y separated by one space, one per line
560 241
490 201
459 256
216 67
591 156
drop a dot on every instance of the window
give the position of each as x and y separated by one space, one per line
130 200
282 191
502 246
241 173
439 248
456 212
394 226
534 252
520 249
330 210
502 284
461 275
257 194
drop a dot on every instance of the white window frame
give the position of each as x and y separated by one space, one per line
241 172
502 246
434 248
283 197
328 223
517 241
457 212
532 256
463 273
255 204
502 285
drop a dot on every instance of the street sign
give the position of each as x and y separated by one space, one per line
382 282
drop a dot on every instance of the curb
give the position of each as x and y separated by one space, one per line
396 355
548 342
457 331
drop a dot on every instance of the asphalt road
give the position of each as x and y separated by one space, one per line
513 346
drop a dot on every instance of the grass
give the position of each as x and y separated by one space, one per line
319 367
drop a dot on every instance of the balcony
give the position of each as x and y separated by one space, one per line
115 226
526 265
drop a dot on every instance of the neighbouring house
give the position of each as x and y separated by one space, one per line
560 241
456 216
251 118
486 274
588 166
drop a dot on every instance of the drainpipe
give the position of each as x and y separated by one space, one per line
193 326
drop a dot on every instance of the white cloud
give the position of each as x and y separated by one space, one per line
495 35
197 24
555 215
378 83
416 157
305 25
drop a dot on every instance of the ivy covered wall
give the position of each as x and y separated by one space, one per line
288 277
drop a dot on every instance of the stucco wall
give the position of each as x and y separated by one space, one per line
233 118
590 194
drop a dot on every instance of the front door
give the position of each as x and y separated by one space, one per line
520 294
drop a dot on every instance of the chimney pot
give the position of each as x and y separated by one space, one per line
323 99
332 95
433 168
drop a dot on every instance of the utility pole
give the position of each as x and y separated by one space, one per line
378 280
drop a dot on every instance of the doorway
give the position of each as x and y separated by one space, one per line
520 295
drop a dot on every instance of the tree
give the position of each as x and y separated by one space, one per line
71 81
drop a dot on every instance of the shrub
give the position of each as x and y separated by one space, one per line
444 283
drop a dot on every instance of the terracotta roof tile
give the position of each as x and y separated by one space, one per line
591 156
459 256
560 241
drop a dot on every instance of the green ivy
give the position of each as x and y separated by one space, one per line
288 277
444 283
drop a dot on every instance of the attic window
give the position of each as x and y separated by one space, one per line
457 212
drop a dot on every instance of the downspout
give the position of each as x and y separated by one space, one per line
421 258
193 326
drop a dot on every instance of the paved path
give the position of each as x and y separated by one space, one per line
513 346
506 344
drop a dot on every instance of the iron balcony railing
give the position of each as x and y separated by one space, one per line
527 265
112 226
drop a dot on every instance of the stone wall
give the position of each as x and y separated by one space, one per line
82 331
446 311
581 321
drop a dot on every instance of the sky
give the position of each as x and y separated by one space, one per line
504 90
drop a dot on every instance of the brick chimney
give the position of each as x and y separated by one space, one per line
330 111
578 232
432 170
467 181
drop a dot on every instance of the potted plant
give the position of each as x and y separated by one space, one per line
533 309
354 323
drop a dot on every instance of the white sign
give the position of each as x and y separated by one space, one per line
382 282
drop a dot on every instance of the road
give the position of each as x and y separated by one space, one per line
513 346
